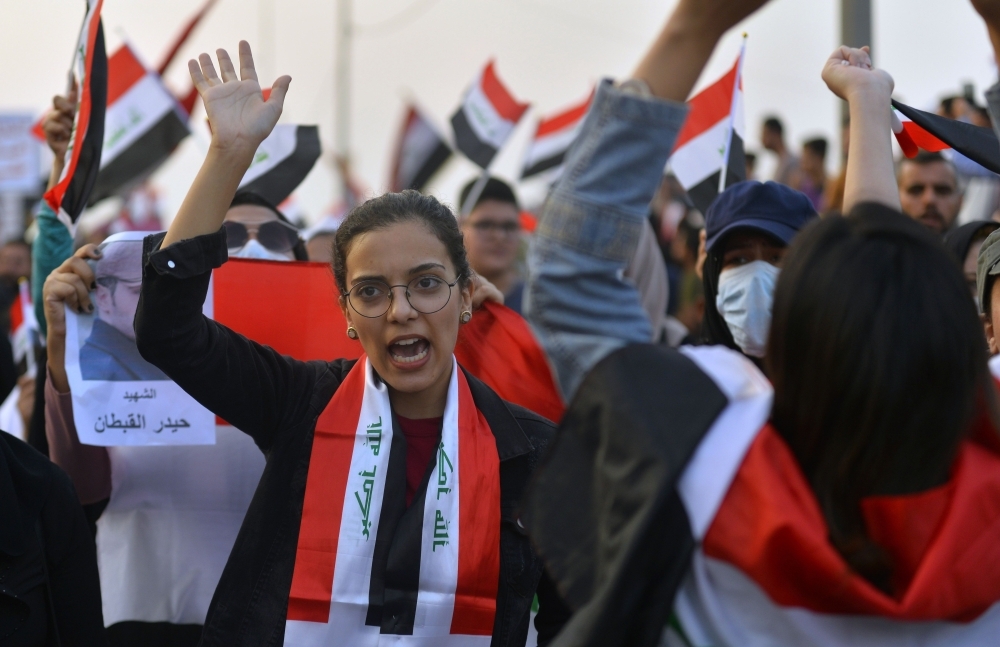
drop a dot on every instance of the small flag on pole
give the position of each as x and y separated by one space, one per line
83 155
915 129
709 155
142 126
420 152
486 118
553 138
282 162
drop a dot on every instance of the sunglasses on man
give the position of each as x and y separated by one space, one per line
275 235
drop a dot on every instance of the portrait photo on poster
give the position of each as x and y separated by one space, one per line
118 397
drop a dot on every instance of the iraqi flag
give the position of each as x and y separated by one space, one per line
486 118
83 155
419 153
709 155
915 129
552 140
282 161
142 127
726 576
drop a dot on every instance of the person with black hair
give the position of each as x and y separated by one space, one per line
772 138
492 235
748 229
811 177
388 504
929 190
850 500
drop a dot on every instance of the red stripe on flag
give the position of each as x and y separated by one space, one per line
708 107
906 144
124 71
479 520
564 119
16 316
502 100
784 545
323 507
924 139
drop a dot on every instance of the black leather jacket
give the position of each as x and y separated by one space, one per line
277 400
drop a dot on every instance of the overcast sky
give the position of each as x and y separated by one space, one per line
548 52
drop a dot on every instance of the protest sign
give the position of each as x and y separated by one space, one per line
118 397
19 163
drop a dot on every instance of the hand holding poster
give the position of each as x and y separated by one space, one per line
118 397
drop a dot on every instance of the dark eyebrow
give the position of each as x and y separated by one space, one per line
425 267
359 279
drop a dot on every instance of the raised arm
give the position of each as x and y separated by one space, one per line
578 300
240 120
868 91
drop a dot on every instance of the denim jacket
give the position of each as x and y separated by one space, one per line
577 298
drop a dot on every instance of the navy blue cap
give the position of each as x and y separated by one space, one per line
769 207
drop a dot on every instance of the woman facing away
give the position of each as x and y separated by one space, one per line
386 511
852 500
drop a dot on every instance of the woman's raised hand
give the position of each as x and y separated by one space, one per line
849 70
239 116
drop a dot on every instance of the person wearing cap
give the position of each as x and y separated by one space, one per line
110 352
492 233
987 269
748 229
964 243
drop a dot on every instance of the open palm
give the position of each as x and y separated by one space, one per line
239 116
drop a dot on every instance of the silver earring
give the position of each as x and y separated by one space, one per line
466 317
352 333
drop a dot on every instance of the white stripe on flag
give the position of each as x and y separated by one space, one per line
702 156
133 114
551 145
719 605
278 146
483 118
711 470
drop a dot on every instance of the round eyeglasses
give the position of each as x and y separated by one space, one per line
425 294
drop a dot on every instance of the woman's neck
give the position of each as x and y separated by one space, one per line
429 403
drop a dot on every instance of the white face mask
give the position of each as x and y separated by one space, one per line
746 294
253 249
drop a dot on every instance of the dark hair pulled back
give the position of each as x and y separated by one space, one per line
394 208
878 361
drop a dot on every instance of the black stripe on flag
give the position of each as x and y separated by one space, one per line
434 161
544 165
137 162
705 192
393 509
466 140
278 183
975 142
89 162
574 504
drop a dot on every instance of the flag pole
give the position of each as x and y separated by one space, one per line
477 190
732 115
342 86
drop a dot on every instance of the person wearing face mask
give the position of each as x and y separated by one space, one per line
748 229
256 229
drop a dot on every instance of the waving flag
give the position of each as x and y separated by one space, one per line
915 129
497 346
420 152
486 118
708 155
142 127
282 161
553 138
83 155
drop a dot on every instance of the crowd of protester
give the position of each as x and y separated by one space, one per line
782 425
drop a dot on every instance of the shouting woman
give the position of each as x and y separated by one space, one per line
385 514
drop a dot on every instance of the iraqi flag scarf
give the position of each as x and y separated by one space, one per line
371 572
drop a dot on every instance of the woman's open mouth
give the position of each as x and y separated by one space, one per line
409 351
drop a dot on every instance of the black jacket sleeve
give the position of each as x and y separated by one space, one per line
72 566
251 386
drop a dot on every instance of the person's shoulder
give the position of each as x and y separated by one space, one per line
32 472
539 430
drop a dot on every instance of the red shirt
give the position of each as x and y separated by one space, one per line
422 438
